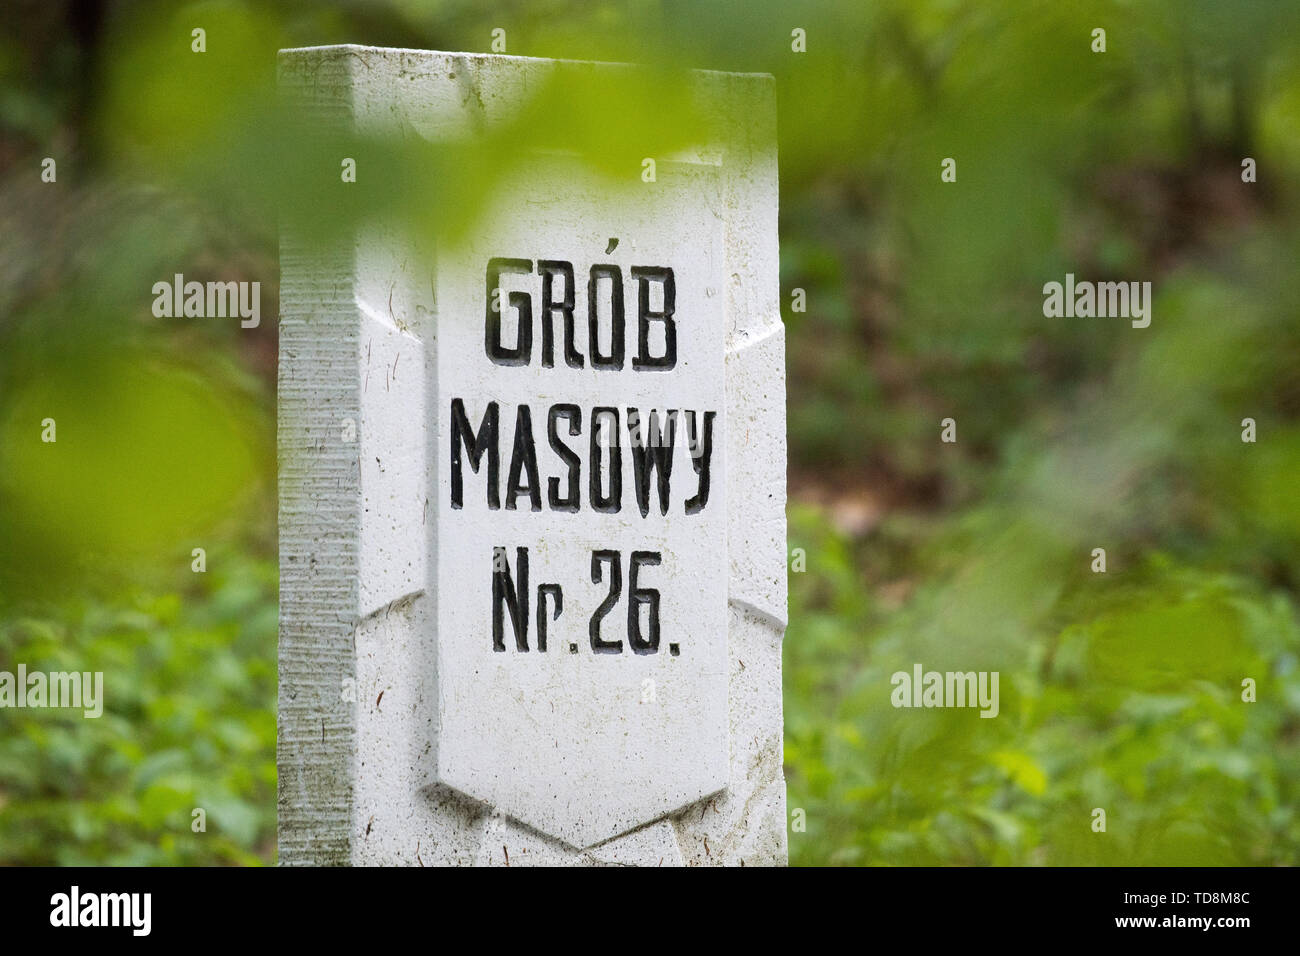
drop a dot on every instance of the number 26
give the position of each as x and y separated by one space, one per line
637 596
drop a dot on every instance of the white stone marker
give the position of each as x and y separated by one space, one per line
532 496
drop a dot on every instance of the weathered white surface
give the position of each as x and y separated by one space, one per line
448 751
581 745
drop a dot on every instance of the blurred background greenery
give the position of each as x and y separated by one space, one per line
1120 691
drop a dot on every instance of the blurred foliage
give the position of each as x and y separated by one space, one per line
189 723
1119 691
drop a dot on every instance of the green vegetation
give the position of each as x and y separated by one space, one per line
189 723
1119 690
